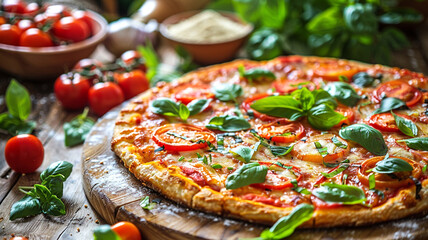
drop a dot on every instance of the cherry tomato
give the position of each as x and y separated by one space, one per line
247 103
282 130
398 89
133 59
25 24
71 29
42 19
400 179
331 70
126 231
72 90
89 68
9 34
104 96
24 153
348 113
84 16
189 92
35 37
133 83
31 8
182 137
286 86
14 6
308 151
58 9
277 181
385 122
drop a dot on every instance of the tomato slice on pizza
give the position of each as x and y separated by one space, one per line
282 130
189 92
385 122
279 176
398 89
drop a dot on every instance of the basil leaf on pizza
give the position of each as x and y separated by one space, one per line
247 174
227 92
245 153
343 92
169 107
280 150
419 143
323 117
363 79
336 193
285 226
392 165
279 106
406 126
323 97
255 74
306 98
198 105
342 167
388 104
228 123
368 137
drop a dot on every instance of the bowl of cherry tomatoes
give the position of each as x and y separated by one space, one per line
39 42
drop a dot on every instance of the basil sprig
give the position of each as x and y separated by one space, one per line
318 106
255 74
368 137
405 125
169 107
104 232
227 92
228 123
343 92
245 153
420 143
247 174
285 226
146 204
18 104
77 129
44 197
388 104
336 193
392 165
363 79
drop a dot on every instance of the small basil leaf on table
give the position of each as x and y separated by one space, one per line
246 174
285 226
227 92
14 125
198 105
18 100
392 165
368 137
388 104
55 184
343 92
77 129
256 73
336 193
228 123
405 125
323 117
27 206
42 193
420 143
61 167
279 106
146 204
104 232
54 206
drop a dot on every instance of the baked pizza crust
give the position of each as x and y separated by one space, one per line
170 181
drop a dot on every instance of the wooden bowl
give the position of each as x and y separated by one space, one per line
47 63
207 53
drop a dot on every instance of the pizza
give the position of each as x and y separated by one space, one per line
260 141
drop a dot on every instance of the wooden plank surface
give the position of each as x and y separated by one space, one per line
81 218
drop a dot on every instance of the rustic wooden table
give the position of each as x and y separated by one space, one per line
81 219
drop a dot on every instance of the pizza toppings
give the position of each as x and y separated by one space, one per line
368 137
332 70
389 104
169 107
420 143
385 122
398 89
341 194
189 92
247 174
247 103
344 93
256 74
286 86
228 123
279 176
282 130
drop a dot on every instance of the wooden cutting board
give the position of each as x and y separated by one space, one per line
115 194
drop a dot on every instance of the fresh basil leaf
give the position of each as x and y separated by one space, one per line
305 96
146 204
54 206
228 123
246 174
257 74
165 106
372 181
388 104
227 92
151 59
338 143
61 167
322 150
405 125
77 129
401 15
299 189
15 126
245 153
323 117
392 165
285 226
18 100
420 143
361 18
264 44
336 193
273 14
323 97
27 206
368 137
343 92
280 150
341 168
104 232
279 106
216 166
363 79
329 21
55 184
198 105
183 112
